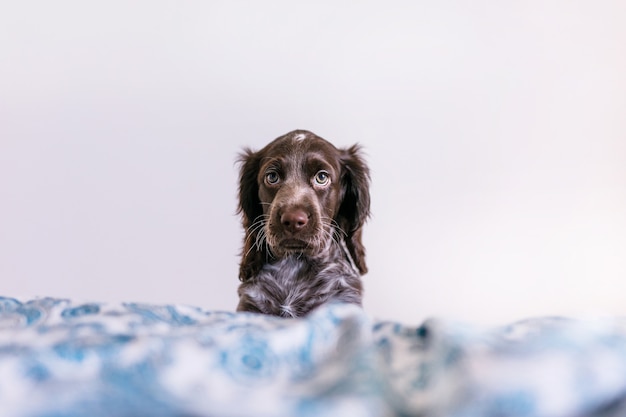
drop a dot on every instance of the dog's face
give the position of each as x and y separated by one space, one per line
299 189
300 194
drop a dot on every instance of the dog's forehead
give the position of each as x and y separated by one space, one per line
300 142
300 136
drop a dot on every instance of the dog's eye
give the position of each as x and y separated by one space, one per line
322 178
272 177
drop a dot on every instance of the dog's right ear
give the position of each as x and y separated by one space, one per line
249 203
250 210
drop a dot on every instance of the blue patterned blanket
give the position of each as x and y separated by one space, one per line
64 359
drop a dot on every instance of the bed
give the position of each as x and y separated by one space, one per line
61 358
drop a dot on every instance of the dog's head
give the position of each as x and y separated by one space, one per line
300 194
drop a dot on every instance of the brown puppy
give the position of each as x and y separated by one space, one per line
303 204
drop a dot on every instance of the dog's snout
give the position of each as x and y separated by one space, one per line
294 220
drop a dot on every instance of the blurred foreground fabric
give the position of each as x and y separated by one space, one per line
60 358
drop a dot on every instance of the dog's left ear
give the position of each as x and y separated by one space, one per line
355 206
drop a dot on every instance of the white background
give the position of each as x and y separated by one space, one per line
495 132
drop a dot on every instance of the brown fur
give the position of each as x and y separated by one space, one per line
303 204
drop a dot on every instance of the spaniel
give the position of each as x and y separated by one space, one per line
303 204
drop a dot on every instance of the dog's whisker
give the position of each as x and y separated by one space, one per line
268 251
257 241
333 232
248 251
256 233
258 223
255 226
256 229
335 224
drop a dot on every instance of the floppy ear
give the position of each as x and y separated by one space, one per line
250 210
355 206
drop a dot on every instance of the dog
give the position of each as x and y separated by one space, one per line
303 204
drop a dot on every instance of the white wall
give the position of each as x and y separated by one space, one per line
496 135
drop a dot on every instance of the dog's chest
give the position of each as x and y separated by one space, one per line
289 272
293 286
292 282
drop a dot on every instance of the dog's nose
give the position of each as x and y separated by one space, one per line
294 220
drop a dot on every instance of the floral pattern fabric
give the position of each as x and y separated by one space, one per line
60 358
